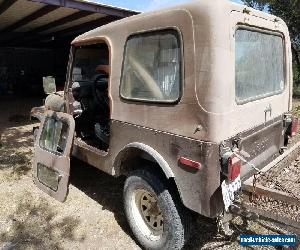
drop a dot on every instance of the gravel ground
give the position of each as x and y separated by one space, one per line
91 218
285 178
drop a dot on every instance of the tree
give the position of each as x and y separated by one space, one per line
289 11
258 4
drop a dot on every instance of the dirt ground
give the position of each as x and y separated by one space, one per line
92 216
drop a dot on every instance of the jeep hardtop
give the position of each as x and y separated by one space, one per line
182 101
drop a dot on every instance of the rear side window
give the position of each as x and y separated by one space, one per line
152 67
259 65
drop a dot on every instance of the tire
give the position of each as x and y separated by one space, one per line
147 202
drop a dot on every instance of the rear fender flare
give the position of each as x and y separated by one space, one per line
149 150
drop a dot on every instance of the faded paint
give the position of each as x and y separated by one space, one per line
206 115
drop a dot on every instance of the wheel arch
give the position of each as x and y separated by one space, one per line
133 153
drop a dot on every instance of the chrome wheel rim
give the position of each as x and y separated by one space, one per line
147 213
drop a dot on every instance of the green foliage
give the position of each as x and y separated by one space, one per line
289 11
296 74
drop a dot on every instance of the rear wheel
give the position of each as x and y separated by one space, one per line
157 220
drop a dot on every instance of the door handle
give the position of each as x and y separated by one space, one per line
268 110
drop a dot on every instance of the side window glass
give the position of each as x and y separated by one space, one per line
54 135
152 67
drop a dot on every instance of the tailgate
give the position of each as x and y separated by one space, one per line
262 91
262 143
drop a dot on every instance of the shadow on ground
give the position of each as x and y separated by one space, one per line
16 137
34 225
101 187
107 191
16 140
16 151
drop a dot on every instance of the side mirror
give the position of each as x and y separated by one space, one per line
49 85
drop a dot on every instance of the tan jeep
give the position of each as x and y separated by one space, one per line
185 102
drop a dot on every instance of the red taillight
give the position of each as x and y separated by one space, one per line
234 167
294 128
189 163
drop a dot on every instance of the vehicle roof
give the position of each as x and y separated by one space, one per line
207 8
206 29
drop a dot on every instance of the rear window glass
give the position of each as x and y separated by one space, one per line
152 67
259 65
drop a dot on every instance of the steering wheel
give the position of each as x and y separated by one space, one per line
103 85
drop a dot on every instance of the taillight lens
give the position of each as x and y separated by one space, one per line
189 163
294 126
234 167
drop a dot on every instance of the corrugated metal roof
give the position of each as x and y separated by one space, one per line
31 20
17 11
55 15
76 22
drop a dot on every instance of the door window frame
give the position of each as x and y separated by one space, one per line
179 37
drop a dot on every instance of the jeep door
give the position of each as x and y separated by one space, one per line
51 162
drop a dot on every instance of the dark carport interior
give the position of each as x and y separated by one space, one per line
35 38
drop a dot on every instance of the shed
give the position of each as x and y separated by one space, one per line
35 38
